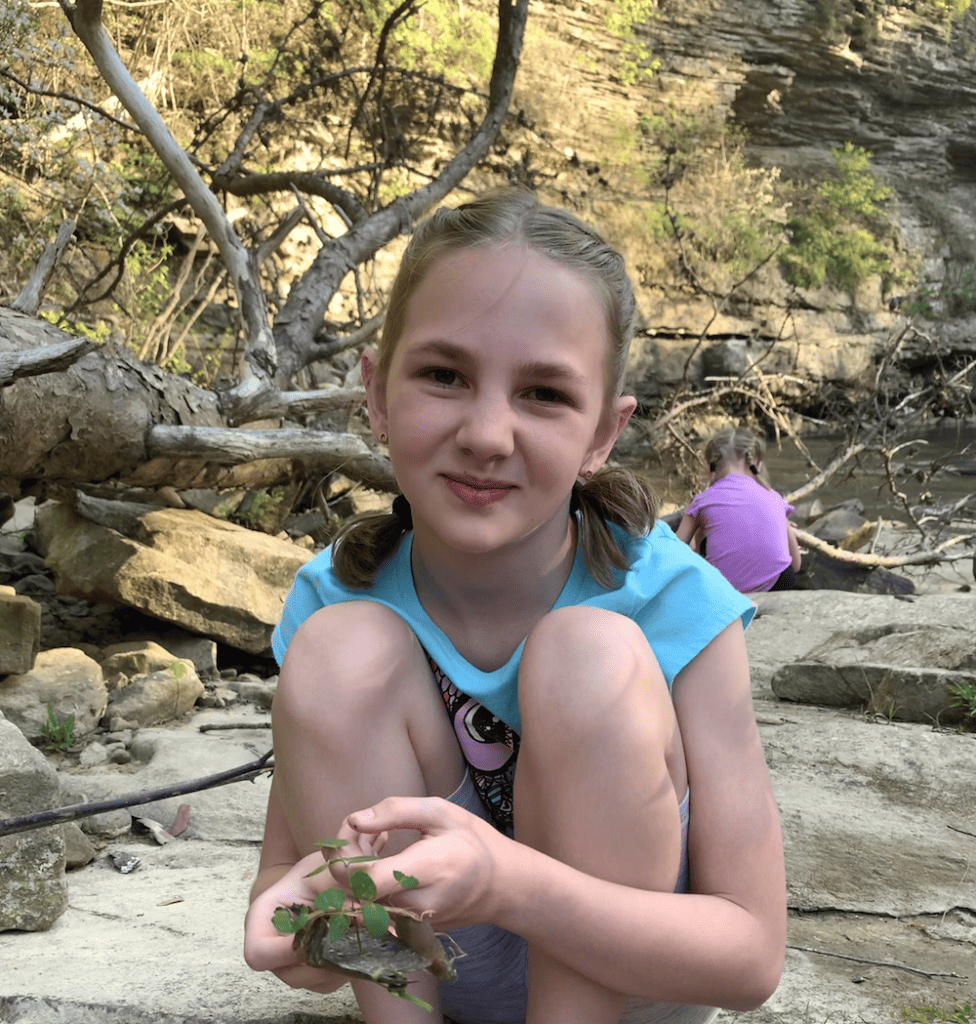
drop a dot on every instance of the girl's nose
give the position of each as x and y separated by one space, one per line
486 428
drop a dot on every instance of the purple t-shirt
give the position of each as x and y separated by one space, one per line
745 529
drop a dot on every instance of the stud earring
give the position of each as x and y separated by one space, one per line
382 439
587 474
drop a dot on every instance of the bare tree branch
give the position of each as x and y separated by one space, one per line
260 360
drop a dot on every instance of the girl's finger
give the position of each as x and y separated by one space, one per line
423 814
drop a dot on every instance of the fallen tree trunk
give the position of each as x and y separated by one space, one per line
108 417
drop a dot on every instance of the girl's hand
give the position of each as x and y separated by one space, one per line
455 860
267 949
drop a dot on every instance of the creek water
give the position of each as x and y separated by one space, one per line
951 445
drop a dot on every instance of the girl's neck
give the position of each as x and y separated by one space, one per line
514 583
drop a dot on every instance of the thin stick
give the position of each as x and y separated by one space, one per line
879 963
75 811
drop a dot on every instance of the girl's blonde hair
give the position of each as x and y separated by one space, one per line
515 217
733 444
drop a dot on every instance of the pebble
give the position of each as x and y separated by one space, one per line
94 753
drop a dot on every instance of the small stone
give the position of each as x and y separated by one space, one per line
142 748
78 848
119 755
108 824
94 753
117 723
123 736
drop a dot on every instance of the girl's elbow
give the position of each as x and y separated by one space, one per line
759 984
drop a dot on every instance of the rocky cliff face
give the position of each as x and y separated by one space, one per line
801 77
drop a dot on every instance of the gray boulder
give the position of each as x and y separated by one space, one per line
906 671
209 576
33 894
65 678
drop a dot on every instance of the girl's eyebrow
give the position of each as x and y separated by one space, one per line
537 369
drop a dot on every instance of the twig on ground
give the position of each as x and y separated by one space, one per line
75 811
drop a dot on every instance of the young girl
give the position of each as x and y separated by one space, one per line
741 518
516 688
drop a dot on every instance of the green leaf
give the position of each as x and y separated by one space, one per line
333 844
284 922
362 886
338 926
406 881
330 899
364 859
376 919
412 999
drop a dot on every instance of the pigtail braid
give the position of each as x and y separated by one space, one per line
613 495
366 541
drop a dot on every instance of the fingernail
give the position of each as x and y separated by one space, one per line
363 818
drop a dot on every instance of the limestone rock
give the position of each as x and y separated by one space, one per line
65 678
33 894
134 658
157 697
211 577
20 632
903 671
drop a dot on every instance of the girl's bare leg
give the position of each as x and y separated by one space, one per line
358 717
600 774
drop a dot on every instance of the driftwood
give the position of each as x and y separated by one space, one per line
47 359
931 557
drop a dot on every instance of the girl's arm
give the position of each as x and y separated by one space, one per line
723 945
794 546
686 528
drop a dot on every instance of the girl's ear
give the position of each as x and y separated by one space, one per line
611 427
375 393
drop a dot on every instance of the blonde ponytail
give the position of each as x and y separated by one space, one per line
366 541
613 495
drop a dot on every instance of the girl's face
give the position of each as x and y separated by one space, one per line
495 400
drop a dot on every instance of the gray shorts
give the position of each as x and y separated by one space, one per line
491 986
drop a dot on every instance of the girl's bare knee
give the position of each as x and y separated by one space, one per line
603 653
355 652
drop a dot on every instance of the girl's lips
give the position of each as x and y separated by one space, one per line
477 495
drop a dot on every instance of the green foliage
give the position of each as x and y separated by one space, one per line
839 233
961 1013
343 911
623 19
443 37
964 696
57 735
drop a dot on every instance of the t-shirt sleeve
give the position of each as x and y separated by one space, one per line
687 604
309 593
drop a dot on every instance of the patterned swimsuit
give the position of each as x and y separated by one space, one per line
489 747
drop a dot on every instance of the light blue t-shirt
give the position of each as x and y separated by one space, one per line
679 601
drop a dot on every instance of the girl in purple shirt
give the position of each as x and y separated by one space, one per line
741 518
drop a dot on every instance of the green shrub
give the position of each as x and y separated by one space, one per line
839 234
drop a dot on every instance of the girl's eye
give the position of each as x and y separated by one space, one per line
548 396
441 375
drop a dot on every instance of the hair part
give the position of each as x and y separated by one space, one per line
514 216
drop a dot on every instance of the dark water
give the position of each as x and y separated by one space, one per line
951 446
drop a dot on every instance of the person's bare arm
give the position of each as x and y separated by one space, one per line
686 528
794 543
